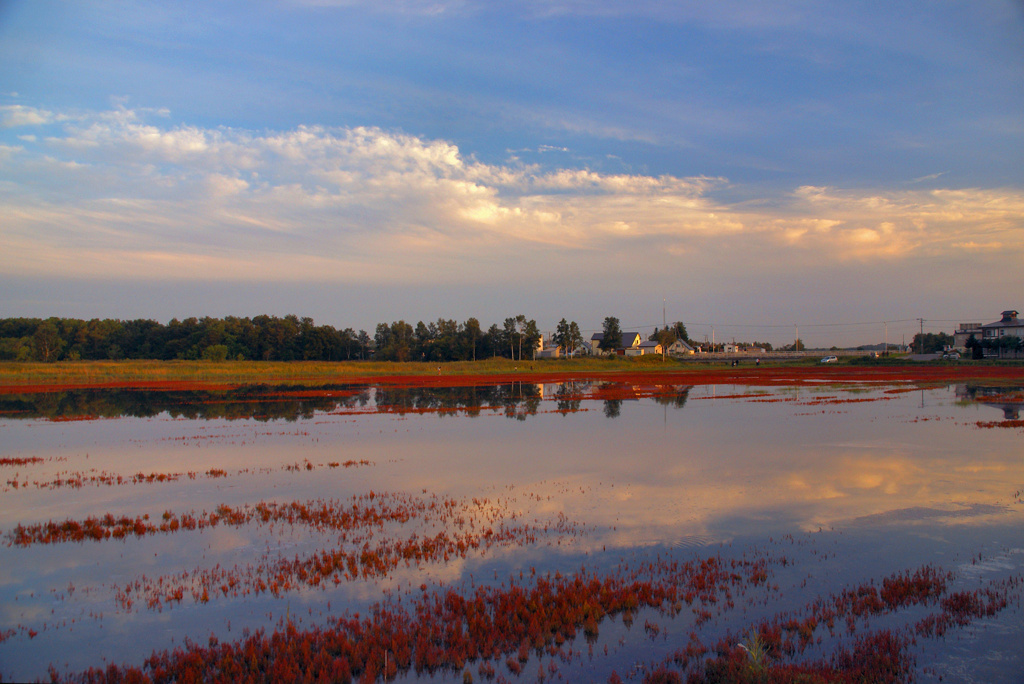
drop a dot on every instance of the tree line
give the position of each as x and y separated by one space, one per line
265 338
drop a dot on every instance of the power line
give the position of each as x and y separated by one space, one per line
750 327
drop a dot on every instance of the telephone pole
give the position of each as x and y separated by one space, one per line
920 345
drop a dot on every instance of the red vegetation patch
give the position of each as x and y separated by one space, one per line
760 376
1000 423
770 651
77 480
20 461
506 626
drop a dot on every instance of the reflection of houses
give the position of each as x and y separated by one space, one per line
1007 399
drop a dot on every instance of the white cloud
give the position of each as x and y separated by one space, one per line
221 185
8 151
12 116
116 195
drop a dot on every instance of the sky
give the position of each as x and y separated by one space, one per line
841 171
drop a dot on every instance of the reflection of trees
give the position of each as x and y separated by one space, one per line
569 395
516 399
676 398
263 402
259 402
612 408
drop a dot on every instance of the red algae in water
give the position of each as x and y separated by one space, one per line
444 630
498 630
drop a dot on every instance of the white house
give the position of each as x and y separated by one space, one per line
680 347
645 347
1008 325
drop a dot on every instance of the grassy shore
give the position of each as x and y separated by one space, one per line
298 372
315 373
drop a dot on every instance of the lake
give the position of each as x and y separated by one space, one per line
682 527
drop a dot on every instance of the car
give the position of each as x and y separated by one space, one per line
830 359
955 356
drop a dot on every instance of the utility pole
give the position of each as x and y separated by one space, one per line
920 345
885 349
664 321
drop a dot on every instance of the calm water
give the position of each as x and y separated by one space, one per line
849 484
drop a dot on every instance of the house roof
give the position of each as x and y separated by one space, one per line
649 343
628 338
1009 320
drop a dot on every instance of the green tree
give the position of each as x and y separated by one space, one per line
531 336
664 337
1004 345
612 338
930 343
494 340
521 332
974 346
568 336
364 344
446 340
215 352
46 341
509 334
470 335
394 342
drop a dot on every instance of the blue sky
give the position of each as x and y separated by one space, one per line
756 166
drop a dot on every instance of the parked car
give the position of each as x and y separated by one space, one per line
830 359
955 356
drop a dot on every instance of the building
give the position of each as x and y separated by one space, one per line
964 332
630 340
1007 326
680 347
548 351
645 347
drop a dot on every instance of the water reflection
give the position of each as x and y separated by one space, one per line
1007 399
258 402
738 464
517 400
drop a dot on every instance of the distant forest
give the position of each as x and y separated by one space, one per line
263 338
